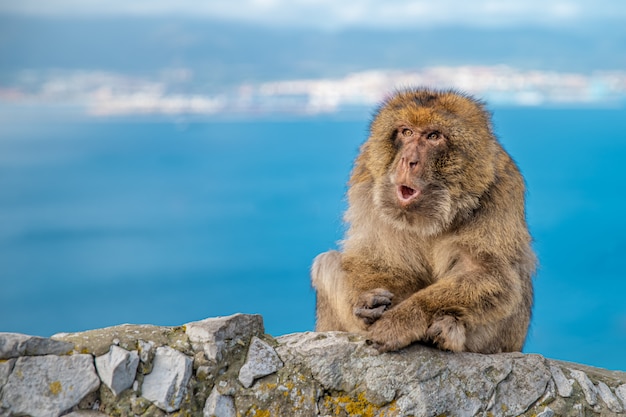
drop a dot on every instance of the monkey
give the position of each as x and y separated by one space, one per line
437 248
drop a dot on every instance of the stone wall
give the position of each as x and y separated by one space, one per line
228 367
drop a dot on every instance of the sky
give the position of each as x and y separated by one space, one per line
332 14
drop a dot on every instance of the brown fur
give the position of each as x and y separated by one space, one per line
450 265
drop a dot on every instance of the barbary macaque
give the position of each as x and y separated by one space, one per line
437 248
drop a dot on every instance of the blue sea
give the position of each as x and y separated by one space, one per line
110 221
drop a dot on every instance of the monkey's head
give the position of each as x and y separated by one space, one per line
431 155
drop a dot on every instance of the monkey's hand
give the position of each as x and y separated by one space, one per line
372 304
397 328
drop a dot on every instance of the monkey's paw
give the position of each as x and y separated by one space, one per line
389 333
372 304
398 327
447 333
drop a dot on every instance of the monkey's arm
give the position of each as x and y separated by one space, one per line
476 293
373 287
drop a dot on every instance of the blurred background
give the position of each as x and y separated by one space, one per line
165 161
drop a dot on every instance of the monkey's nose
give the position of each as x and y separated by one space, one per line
410 162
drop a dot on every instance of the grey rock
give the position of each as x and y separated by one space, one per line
564 386
46 386
146 349
591 394
218 405
166 385
13 345
85 413
217 335
6 366
322 374
418 380
547 412
99 341
117 368
524 386
262 360
609 399
620 392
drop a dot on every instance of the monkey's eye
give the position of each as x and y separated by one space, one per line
433 136
407 132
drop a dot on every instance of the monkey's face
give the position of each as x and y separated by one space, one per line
413 193
431 156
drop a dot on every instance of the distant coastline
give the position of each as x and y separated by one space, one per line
100 93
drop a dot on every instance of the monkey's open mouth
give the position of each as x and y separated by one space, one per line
407 194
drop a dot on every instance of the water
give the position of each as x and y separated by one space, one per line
108 222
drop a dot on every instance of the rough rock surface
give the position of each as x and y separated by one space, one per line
262 360
167 384
227 367
13 345
48 385
117 369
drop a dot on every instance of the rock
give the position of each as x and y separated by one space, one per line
262 360
405 382
146 350
85 413
218 335
298 375
547 412
609 399
6 366
13 345
117 368
587 386
563 385
620 392
98 341
46 386
525 385
166 385
218 405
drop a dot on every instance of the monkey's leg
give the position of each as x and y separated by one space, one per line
336 310
326 277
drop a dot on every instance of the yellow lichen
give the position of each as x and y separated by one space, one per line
355 407
270 386
55 387
256 412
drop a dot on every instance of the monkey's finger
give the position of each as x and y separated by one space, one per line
379 300
369 312
372 314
